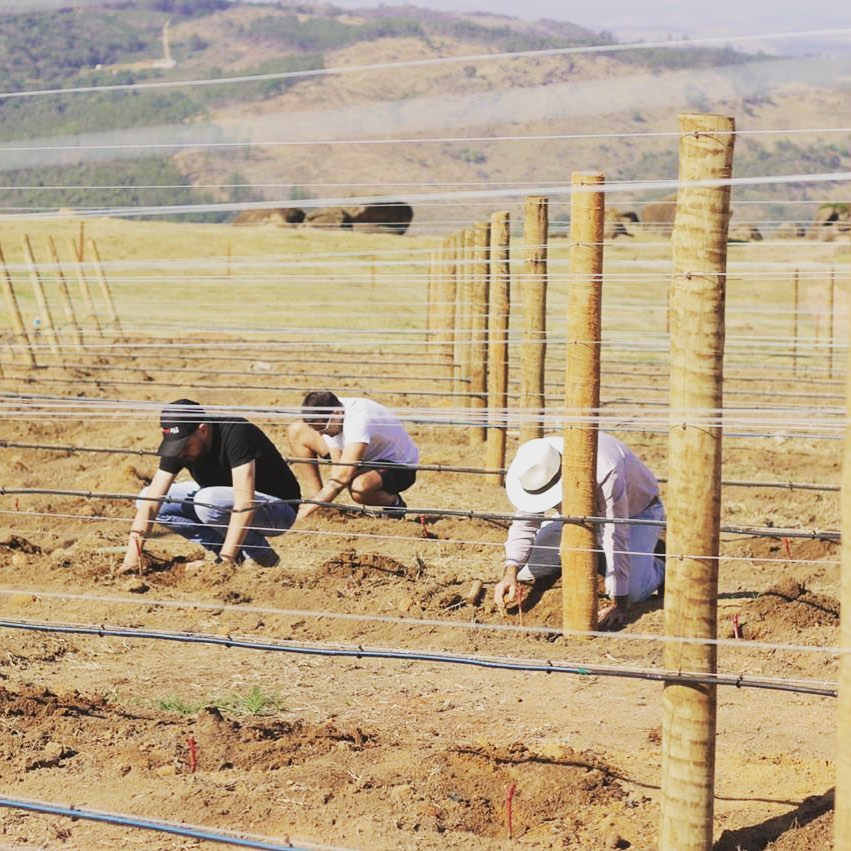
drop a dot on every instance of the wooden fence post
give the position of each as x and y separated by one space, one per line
500 311
104 288
64 293
465 312
446 329
831 326
533 287
460 340
699 250
582 402
479 297
431 298
795 329
85 290
842 797
46 318
18 325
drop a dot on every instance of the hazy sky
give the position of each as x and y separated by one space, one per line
639 18
660 17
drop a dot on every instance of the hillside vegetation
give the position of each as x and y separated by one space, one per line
119 43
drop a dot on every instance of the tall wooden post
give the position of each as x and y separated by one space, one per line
46 318
64 294
500 310
533 288
446 329
842 805
699 247
85 291
479 297
465 316
18 325
104 288
458 242
582 402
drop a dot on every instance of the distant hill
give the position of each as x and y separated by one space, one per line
464 103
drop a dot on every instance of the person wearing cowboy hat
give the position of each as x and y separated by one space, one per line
625 488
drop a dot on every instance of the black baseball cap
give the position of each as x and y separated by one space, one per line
179 421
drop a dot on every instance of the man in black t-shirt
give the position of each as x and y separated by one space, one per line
241 490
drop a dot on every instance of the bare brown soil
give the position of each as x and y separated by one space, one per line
385 753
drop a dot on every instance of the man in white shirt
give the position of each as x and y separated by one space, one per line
373 456
625 489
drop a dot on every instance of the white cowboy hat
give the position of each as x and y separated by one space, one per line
533 480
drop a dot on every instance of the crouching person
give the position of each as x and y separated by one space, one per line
241 491
625 489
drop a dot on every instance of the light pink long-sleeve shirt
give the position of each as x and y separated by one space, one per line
625 488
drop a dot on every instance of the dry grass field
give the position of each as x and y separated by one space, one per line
312 738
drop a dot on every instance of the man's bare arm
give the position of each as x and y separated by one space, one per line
341 477
145 513
243 510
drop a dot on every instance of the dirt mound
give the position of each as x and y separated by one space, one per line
787 605
264 744
21 545
809 827
809 549
361 566
466 789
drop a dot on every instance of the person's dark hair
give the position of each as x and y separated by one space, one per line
317 406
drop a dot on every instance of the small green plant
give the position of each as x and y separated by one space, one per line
256 702
177 704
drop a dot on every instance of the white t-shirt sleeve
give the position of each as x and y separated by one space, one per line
335 442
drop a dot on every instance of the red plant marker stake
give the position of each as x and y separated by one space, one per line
787 544
424 528
508 796
737 630
193 754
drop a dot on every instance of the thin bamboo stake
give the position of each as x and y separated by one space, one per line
64 293
104 288
500 310
80 248
479 297
699 249
85 291
15 312
831 328
46 318
533 288
582 402
795 321
430 296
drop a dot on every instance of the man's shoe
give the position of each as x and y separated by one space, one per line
261 557
397 511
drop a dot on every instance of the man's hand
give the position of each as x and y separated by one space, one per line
505 591
132 559
615 616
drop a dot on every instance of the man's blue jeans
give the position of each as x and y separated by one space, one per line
201 515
